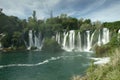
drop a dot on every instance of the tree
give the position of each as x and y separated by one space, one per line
85 27
34 16
16 39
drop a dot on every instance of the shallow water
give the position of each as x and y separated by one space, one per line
37 65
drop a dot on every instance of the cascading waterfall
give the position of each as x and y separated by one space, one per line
88 41
34 40
30 40
99 39
71 40
58 37
38 41
119 31
91 39
105 36
74 42
118 34
64 44
79 47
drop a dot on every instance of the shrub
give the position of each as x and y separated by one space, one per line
51 45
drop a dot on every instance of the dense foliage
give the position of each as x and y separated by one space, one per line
16 30
51 45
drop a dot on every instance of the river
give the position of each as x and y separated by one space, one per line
38 65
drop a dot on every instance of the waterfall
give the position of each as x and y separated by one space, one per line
119 31
64 41
99 39
58 37
30 40
88 41
105 36
118 34
35 41
79 47
71 40
91 39
38 41
76 42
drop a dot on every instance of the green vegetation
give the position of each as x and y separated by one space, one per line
51 45
105 49
113 26
16 30
110 71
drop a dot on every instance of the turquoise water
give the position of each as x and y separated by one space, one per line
36 65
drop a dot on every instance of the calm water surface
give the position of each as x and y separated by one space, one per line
37 65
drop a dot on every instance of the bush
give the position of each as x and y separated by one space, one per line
51 45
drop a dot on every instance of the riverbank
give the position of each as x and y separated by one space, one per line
109 71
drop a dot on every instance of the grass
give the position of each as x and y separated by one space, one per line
110 71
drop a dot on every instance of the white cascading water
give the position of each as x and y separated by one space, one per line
99 39
105 36
119 31
37 40
88 41
30 40
79 47
91 39
71 40
58 37
64 44
118 34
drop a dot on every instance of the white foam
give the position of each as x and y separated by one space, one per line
100 61
29 65
37 64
